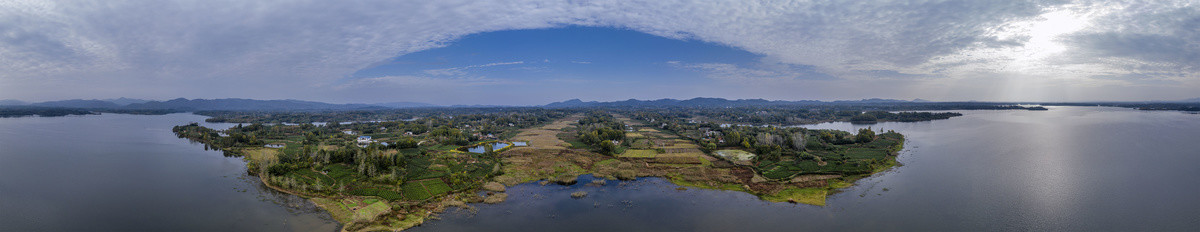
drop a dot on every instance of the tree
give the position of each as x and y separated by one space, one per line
863 118
798 141
865 135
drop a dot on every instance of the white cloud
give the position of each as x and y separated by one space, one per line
458 71
417 81
764 72
274 48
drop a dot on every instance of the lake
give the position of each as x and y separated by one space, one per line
1069 168
117 172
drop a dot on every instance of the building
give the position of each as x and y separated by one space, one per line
364 139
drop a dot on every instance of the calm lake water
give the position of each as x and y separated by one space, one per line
1070 168
116 172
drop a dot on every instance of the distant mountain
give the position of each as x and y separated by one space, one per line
11 102
111 103
707 102
404 104
79 103
570 103
874 100
1191 100
231 104
237 104
125 101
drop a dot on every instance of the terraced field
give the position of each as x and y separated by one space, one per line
638 153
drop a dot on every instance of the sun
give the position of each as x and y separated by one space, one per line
1046 32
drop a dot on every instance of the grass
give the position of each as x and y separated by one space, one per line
811 196
578 144
639 153
720 186
335 208
607 162
436 186
260 154
409 151
677 145
441 147
640 144
372 211
866 153
410 220
310 177
431 173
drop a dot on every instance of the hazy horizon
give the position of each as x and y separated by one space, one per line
616 100
537 52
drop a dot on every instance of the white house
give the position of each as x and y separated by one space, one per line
364 139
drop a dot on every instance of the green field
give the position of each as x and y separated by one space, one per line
638 153
378 191
424 189
371 211
436 186
415 191
866 153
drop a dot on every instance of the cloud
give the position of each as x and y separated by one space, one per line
274 48
763 73
418 81
458 71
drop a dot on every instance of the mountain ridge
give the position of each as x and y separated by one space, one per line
715 102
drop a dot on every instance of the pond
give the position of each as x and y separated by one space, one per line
481 148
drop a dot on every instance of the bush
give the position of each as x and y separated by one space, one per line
279 169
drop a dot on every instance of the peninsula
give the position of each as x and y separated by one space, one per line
394 174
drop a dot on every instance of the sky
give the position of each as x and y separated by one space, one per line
536 52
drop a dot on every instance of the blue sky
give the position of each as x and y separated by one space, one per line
528 52
596 63
605 55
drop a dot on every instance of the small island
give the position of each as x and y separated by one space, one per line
395 174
